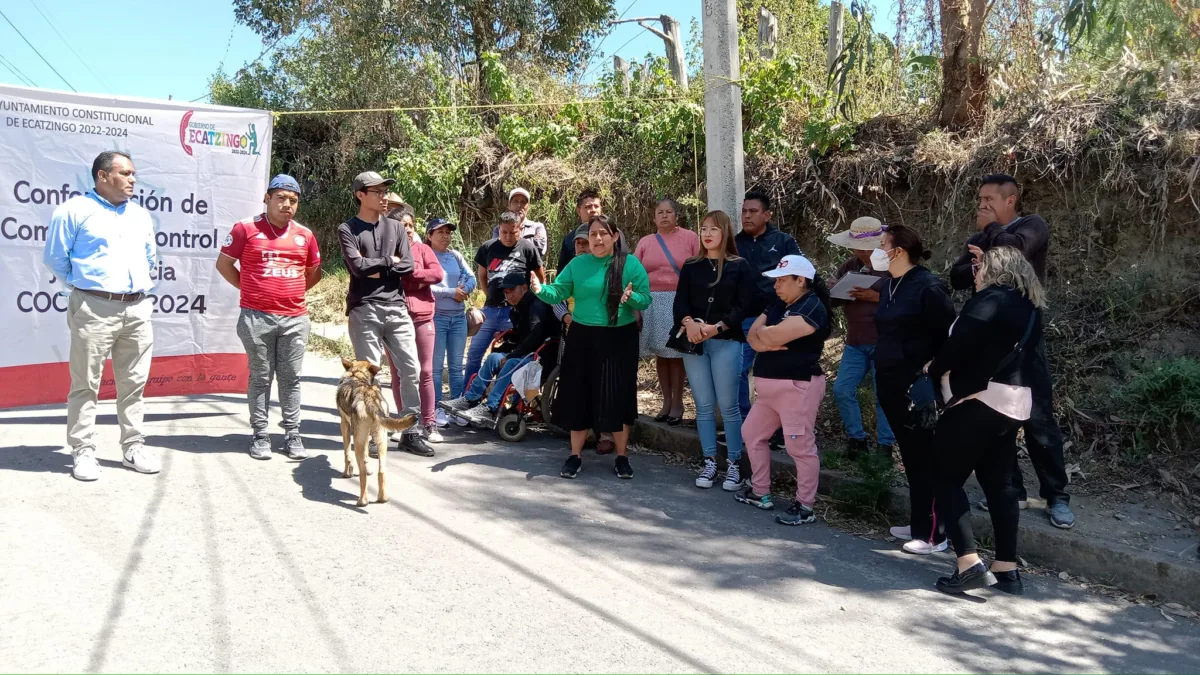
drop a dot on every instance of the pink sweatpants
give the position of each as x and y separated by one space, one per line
425 336
793 405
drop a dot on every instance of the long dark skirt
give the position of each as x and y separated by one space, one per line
598 382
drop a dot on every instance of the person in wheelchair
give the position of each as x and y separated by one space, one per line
533 323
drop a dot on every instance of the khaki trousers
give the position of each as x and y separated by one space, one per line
100 327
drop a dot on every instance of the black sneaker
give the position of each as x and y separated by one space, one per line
748 496
855 447
1009 582
415 444
624 471
571 467
372 449
797 514
975 576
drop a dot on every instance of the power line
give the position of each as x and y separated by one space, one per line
35 51
299 36
603 39
17 72
67 42
616 51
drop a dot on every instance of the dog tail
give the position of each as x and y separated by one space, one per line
393 424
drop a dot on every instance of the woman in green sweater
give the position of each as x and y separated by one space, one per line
598 386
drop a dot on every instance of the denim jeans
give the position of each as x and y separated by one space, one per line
858 361
747 363
713 377
495 320
490 372
449 343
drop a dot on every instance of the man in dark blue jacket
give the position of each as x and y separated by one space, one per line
762 245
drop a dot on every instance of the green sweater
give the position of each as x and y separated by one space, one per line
583 280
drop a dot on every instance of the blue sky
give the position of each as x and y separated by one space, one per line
161 48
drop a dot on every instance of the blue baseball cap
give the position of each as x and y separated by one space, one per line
434 223
284 182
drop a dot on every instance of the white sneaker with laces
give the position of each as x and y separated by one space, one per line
708 474
396 437
85 466
733 478
440 419
921 547
902 532
136 457
433 435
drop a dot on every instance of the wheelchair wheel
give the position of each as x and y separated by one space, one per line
511 427
549 393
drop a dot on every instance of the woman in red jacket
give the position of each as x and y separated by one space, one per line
418 295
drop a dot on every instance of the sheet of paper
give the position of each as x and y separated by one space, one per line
842 288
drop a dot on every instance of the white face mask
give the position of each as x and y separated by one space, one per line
880 260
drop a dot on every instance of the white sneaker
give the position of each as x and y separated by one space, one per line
441 419
921 547
461 421
902 532
433 435
85 467
138 459
396 437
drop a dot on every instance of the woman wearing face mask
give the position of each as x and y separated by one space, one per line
984 380
418 294
661 254
714 291
915 312
598 387
788 338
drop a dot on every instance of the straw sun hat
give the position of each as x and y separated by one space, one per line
865 234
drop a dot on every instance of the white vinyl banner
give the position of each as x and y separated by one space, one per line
200 168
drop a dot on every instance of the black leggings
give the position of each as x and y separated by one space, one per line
972 437
917 453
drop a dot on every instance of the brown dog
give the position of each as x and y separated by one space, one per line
364 414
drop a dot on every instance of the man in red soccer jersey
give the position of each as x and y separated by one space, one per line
279 260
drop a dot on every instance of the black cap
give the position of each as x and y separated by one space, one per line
513 280
368 179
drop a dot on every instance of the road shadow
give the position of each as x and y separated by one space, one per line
505 462
317 479
43 459
61 420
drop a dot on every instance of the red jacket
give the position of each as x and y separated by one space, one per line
426 272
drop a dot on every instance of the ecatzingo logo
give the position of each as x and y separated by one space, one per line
200 133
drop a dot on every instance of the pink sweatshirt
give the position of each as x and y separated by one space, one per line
427 271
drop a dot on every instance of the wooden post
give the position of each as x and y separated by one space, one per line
621 69
768 33
834 48
675 56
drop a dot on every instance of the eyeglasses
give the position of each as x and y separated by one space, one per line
377 193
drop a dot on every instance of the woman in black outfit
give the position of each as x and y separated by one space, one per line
914 316
983 371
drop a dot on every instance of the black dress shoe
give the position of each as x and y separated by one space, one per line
1009 582
662 417
975 576
674 421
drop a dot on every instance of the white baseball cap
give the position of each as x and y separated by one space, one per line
519 191
793 265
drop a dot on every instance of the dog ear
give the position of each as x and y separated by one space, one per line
374 369
347 363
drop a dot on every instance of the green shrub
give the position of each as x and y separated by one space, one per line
1163 394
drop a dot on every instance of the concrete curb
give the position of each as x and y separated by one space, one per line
1111 563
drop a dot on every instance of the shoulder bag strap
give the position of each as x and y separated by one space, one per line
670 259
1020 346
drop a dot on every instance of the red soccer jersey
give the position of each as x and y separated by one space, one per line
273 264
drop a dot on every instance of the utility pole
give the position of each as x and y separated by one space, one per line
832 50
670 38
723 108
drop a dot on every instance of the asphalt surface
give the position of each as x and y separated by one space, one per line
484 560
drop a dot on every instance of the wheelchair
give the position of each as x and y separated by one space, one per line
515 416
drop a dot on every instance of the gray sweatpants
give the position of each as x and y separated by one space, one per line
275 349
374 328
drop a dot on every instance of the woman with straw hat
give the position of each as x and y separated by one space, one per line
858 354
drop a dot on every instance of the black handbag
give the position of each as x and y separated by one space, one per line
678 340
924 403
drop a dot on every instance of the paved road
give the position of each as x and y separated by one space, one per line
485 560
